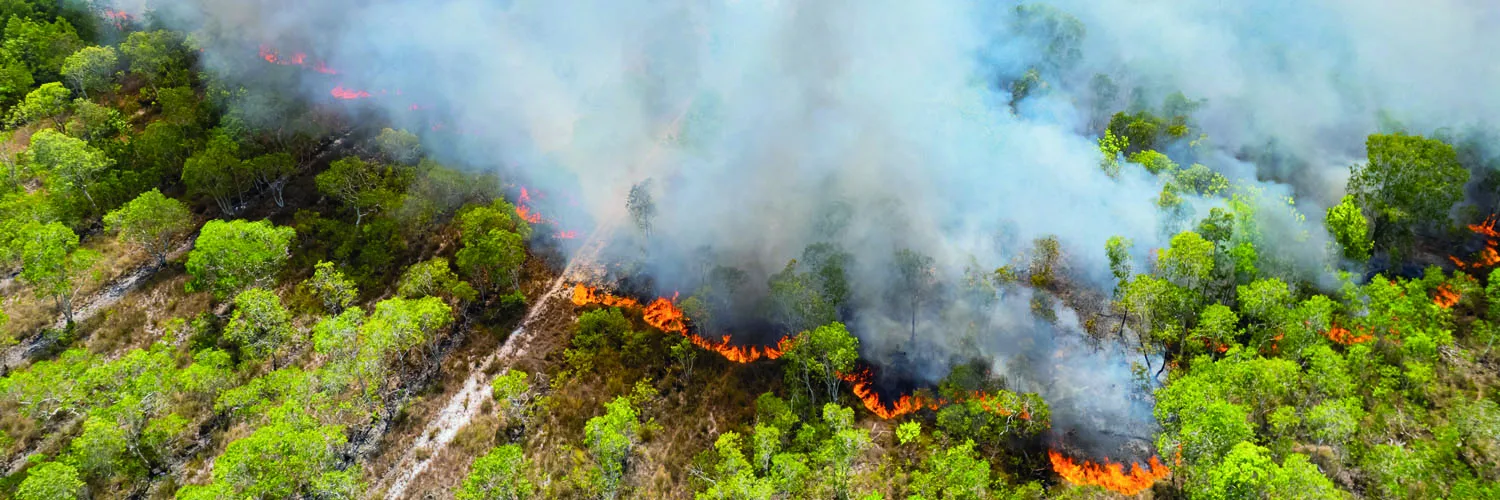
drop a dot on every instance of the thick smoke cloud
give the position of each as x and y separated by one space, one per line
893 120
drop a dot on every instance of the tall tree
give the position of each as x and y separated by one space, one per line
154 54
91 68
1347 222
151 221
231 256
498 475
640 205
48 102
260 324
272 171
493 246
1409 182
330 286
360 185
51 481
917 279
217 172
610 439
52 263
74 162
399 146
821 355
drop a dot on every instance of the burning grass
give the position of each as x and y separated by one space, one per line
1111 476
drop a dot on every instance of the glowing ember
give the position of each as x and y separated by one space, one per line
1111 476
565 235
118 18
1446 297
343 93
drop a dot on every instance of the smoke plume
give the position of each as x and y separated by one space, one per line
883 125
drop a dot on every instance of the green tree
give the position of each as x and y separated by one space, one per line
330 286
261 326
52 263
685 354
153 54
42 47
1347 223
363 187
492 245
231 256
1110 146
821 355
498 475
95 122
272 171
288 458
513 390
610 439
217 172
433 277
1118 250
1247 471
640 205
399 146
918 276
838 452
733 475
151 221
70 160
15 81
956 472
91 68
49 101
1409 182
51 481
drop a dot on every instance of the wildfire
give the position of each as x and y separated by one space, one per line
118 18
1111 476
1446 297
565 235
1343 336
663 314
342 93
528 215
1488 257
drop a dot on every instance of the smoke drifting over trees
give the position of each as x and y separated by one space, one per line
946 136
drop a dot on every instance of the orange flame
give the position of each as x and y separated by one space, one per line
1111 476
1343 336
1488 257
1446 297
528 215
565 235
663 314
343 93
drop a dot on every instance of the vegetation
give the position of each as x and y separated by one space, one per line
340 287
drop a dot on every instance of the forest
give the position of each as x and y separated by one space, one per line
264 251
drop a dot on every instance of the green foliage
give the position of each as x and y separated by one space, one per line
231 256
363 187
820 355
52 263
96 123
956 472
498 475
734 476
290 457
1154 162
272 171
152 222
610 439
1118 251
434 277
908 431
218 173
1249 472
493 246
1409 182
155 55
91 68
260 325
1347 223
329 285
51 481
1140 130
41 47
71 162
1111 146
399 146
48 102
513 390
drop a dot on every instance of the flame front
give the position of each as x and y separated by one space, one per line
1111 476
663 314
1488 257
1446 297
342 93
1343 336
